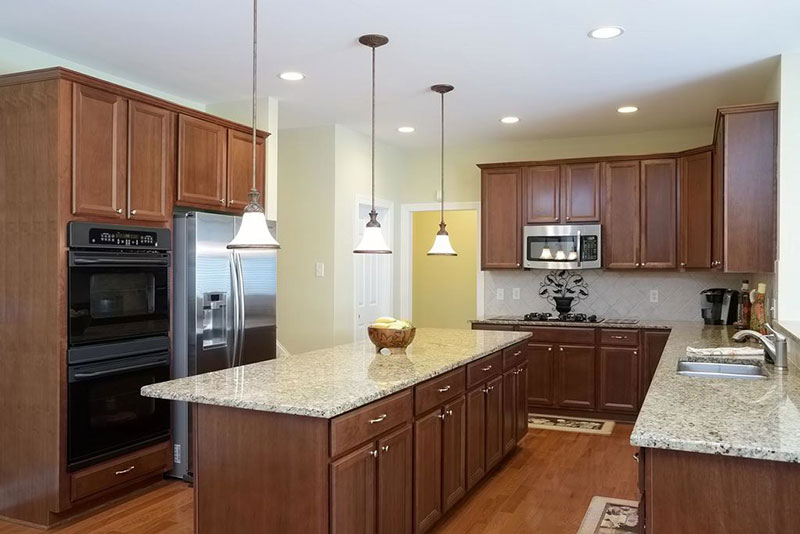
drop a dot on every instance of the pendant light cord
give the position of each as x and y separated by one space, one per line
255 63
442 160
373 128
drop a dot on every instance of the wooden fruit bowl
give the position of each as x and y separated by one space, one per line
387 338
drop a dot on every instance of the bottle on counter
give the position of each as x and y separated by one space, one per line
758 314
743 319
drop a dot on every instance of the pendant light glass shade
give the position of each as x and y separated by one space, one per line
372 241
254 233
441 244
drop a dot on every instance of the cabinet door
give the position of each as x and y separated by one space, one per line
353 492
501 230
428 470
509 411
575 384
201 162
541 194
621 215
653 343
151 162
581 192
494 422
476 435
240 168
395 482
522 401
718 200
695 212
619 379
99 152
659 225
454 454
540 374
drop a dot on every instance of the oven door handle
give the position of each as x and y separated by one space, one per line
114 370
78 260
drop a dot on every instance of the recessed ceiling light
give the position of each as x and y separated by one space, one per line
606 32
628 109
292 76
509 120
406 129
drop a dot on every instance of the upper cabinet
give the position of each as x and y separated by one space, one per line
99 153
240 168
501 232
621 215
542 194
659 224
695 210
581 186
201 163
745 188
151 162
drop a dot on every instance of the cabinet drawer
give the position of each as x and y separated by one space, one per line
484 369
439 390
618 336
560 334
97 478
513 355
363 424
500 327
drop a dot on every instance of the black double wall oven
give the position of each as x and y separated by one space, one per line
119 319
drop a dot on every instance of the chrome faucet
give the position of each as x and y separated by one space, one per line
774 345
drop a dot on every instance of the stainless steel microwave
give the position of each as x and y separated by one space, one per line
562 246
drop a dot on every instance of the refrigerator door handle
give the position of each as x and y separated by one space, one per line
240 303
235 296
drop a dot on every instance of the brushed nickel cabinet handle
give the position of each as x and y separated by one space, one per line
123 471
222 201
549 349
442 415
683 264
118 210
485 390
444 389
487 369
133 212
378 419
450 412
561 349
619 337
491 388
374 453
636 457
385 448
518 353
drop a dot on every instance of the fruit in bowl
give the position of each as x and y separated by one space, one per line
391 333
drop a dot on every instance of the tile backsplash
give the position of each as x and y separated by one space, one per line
614 294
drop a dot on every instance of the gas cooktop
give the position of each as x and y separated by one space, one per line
564 317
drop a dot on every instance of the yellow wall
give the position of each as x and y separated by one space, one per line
445 287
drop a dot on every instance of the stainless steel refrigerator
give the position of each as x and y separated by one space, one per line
223 309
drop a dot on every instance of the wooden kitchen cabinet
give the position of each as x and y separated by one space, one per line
541 365
201 163
659 226
428 470
581 187
619 379
718 199
521 376
494 422
151 162
476 435
240 168
501 231
99 152
541 194
395 514
509 411
353 481
653 343
454 483
575 372
621 215
695 210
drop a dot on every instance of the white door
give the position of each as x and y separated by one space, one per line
373 275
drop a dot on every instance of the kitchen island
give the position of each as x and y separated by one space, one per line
342 440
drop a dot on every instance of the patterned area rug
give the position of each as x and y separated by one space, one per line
570 424
610 516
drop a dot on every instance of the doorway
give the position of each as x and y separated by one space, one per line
372 285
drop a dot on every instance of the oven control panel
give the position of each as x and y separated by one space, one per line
129 238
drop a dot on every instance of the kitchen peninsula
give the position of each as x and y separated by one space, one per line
342 439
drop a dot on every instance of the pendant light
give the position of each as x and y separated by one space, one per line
372 241
253 232
441 245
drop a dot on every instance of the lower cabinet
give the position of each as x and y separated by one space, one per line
575 377
515 405
371 487
521 377
619 380
541 362
454 483
494 422
484 429
653 343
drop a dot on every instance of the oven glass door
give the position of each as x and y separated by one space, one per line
107 413
113 301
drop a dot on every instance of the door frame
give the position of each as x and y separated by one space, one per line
407 259
388 233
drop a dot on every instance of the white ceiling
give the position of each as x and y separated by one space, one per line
677 60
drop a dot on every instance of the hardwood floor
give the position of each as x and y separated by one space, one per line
545 487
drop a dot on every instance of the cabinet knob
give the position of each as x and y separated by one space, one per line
133 212
442 415
450 412
118 210
385 448
222 201
561 349
374 453
485 391
635 353
569 218
683 264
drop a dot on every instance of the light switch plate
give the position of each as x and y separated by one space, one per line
515 293
320 269
501 293
654 296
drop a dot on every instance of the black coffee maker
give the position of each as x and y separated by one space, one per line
719 305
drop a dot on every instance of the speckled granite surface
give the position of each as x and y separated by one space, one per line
329 382
734 417
607 323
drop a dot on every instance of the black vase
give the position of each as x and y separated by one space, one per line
563 304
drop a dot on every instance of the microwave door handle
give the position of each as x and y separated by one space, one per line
242 318
579 248
235 297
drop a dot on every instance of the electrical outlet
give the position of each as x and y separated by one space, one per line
654 296
501 293
515 293
320 269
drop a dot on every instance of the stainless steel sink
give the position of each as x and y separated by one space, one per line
721 370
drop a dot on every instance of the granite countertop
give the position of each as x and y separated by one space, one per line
728 416
606 323
328 382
